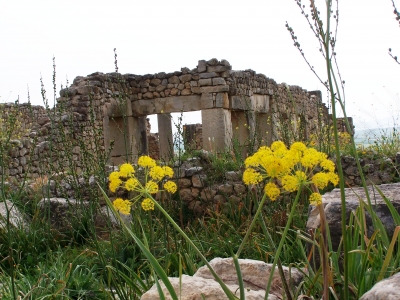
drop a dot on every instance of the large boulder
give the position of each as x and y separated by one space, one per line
387 289
15 217
197 288
255 274
333 209
255 277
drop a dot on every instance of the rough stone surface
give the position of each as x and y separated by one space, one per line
387 289
255 274
197 288
332 206
15 217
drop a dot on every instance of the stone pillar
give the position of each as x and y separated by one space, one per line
165 136
240 130
217 129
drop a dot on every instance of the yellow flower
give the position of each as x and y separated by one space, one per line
131 184
315 199
168 172
333 178
292 183
126 170
147 204
157 173
251 176
328 165
146 161
170 187
114 176
151 187
272 191
320 180
124 206
114 184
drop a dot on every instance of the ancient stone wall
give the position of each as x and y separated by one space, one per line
104 115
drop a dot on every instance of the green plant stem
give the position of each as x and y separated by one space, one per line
281 243
279 263
253 222
336 137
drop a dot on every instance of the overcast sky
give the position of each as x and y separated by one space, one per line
163 36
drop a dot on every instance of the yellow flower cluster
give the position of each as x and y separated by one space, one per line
291 169
148 204
125 179
124 206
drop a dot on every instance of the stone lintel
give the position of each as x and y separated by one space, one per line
258 103
166 105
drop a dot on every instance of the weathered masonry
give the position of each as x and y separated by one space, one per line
108 112
234 105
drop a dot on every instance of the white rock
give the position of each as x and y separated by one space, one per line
387 289
195 288
16 218
255 274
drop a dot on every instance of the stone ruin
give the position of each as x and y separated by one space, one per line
234 105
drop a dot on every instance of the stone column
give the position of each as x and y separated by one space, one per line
217 129
165 136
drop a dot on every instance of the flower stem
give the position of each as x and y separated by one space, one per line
278 251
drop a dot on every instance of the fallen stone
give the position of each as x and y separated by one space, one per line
255 274
333 208
197 288
15 217
387 289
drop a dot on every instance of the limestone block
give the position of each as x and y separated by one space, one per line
15 217
218 68
225 189
212 62
197 288
222 100
186 92
185 78
194 83
186 195
174 92
206 101
217 129
201 66
174 80
218 81
208 75
255 274
203 82
160 88
184 182
214 89
332 206
155 82
166 105
198 180
387 289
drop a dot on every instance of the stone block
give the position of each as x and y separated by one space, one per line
186 92
174 80
185 78
214 89
218 81
222 100
208 75
201 66
206 101
218 68
203 82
